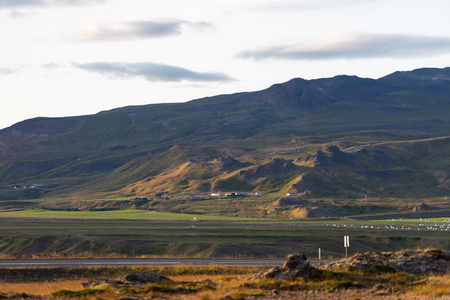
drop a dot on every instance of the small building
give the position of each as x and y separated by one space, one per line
291 194
191 196
35 186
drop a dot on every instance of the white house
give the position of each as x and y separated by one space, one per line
35 186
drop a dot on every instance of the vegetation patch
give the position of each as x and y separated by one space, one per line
80 294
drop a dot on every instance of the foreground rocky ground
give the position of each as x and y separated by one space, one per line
390 275
412 262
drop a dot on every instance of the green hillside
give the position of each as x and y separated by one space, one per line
335 137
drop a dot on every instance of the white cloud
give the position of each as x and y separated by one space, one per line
151 72
7 71
16 14
134 30
44 3
307 5
355 47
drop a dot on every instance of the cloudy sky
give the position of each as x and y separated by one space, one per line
74 57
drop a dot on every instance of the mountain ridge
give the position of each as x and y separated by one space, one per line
128 148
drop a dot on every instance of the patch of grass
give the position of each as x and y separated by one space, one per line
431 287
177 288
78 294
14 296
116 214
270 284
396 277
342 285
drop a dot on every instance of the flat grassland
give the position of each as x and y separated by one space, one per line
148 233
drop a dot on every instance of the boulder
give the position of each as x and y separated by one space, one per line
296 266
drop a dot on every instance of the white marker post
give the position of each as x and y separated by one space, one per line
346 243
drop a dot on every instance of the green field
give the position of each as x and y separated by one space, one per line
130 214
137 233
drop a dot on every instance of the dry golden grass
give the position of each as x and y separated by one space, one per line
220 282
433 287
192 278
40 288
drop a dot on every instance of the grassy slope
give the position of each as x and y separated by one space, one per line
126 149
415 169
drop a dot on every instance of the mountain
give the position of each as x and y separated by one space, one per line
342 136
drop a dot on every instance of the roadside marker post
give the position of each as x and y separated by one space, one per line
346 243
320 254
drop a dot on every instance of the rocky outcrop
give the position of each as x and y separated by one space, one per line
409 261
296 266
337 156
421 207
275 167
368 156
330 157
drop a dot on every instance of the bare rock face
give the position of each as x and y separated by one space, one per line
296 266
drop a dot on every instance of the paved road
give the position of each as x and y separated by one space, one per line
18 263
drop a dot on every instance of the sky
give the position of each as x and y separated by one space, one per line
77 57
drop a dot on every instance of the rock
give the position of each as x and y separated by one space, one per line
145 277
295 261
273 273
296 266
